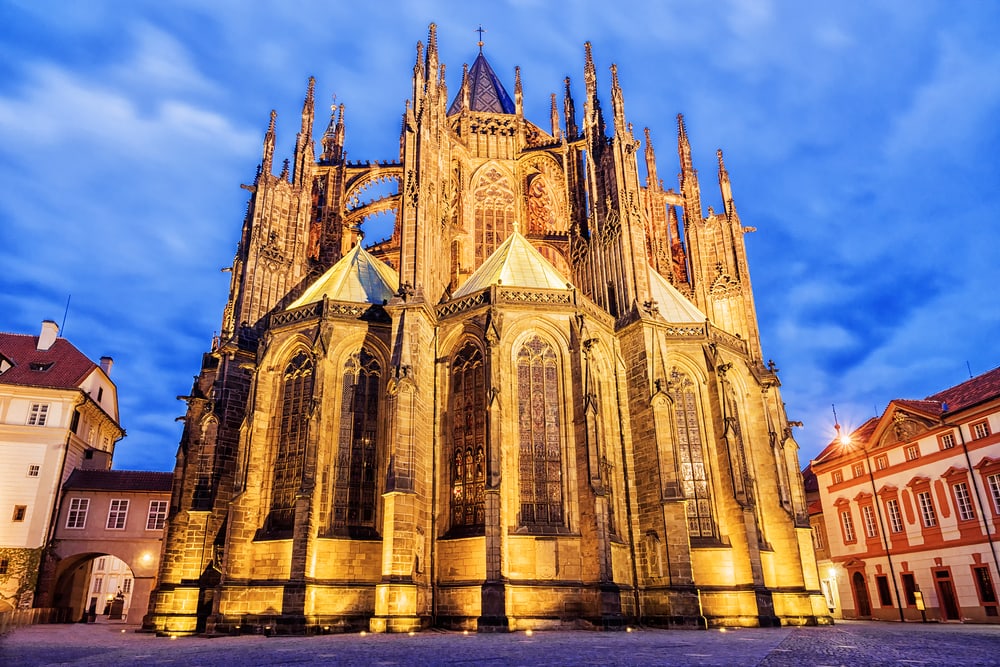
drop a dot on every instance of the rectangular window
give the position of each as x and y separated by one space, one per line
20 511
838 477
965 512
912 452
117 514
77 515
980 429
101 564
848 523
994 482
946 440
927 509
881 462
984 583
33 470
817 537
871 530
38 414
884 597
895 519
74 423
127 585
98 584
909 588
858 470
157 515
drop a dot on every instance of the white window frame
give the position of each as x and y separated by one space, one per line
912 452
895 518
117 514
980 429
871 529
857 470
157 515
994 483
947 440
34 469
848 523
76 517
963 502
927 513
38 414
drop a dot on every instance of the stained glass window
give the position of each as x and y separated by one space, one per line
494 213
355 488
693 473
296 396
468 468
540 458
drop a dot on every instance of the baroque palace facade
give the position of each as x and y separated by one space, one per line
541 402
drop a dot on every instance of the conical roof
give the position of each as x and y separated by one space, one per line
671 303
358 277
516 263
486 93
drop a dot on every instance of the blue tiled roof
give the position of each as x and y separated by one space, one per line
486 93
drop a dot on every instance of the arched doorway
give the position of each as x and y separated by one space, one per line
95 587
862 605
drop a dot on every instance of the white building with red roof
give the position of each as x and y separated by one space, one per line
58 412
908 513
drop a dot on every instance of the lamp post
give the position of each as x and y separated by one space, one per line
845 440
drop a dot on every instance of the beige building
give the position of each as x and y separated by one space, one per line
107 538
540 402
908 509
58 411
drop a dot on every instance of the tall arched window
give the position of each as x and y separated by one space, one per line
293 430
494 202
354 484
693 472
540 456
468 468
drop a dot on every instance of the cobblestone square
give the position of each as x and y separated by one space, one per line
849 644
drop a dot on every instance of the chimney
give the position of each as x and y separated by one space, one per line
50 331
106 364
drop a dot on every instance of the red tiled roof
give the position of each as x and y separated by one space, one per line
119 480
815 507
978 389
66 367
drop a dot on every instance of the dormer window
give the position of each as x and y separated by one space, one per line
40 366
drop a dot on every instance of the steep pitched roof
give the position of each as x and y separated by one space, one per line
671 303
62 366
486 93
978 389
119 480
516 263
358 277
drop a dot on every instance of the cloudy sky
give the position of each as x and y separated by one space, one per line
861 138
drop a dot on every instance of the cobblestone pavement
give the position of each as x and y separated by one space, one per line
850 644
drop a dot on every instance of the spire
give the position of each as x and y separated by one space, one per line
724 185
464 90
554 116
284 170
305 154
518 95
432 56
569 113
683 146
594 120
485 92
333 138
652 179
268 156
418 79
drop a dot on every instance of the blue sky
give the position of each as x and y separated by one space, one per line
861 138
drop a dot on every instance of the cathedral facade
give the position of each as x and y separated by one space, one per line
541 402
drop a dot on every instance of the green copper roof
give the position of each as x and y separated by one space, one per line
516 263
357 277
671 303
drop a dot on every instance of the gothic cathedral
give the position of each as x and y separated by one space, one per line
540 402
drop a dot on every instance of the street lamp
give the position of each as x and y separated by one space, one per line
845 440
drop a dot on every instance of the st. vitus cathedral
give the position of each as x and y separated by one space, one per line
541 402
